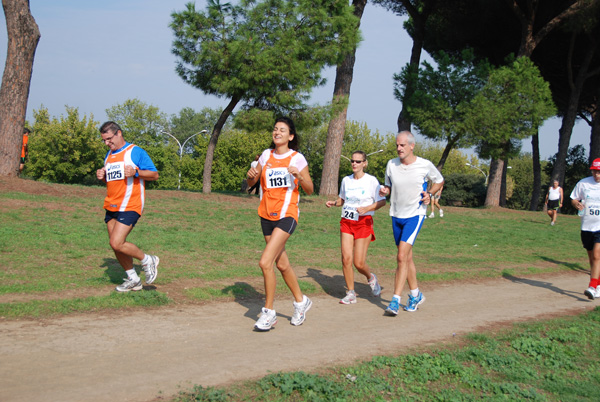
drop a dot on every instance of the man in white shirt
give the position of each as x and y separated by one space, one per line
586 199
406 179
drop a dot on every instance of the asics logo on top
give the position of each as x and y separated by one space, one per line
273 173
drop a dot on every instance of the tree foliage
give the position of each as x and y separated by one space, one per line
267 54
67 149
512 105
442 98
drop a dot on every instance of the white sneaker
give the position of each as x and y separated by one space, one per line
129 285
375 286
591 293
267 319
151 269
350 298
300 310
432 215
441 213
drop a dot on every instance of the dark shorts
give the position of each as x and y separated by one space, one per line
359 229
23 160
553 204
128 218
588 239
286 224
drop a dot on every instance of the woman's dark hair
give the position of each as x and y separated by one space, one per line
295 142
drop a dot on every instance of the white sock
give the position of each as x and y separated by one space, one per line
414 292
146 259
131 274
396 297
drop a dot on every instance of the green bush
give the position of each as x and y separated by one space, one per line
464 190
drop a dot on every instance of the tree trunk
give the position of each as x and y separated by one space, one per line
23 37
568 121
419 18
502 199
595 124
537 173
212 145
337 125
492 197
449 146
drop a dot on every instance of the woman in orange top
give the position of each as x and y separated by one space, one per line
281 169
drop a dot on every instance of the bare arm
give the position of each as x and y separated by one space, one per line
337 203
253 175
303 179
373 207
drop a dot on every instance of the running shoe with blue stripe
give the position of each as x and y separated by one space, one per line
394 306
414 302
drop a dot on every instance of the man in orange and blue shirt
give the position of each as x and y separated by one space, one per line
126 168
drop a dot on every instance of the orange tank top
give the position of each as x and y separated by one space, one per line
122 193
279 195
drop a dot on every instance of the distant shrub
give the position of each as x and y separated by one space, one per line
463 190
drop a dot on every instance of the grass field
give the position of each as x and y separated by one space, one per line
55 260
54 248
552 360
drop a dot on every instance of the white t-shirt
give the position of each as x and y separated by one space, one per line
554 193
298 161
360 193
588 192
407 182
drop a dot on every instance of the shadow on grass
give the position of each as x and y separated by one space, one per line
116 274
546 285
335 286
245 295
570 265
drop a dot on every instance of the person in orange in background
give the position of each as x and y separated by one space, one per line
126 168
24 149
282 171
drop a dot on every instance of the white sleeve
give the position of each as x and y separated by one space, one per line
264 157
342 194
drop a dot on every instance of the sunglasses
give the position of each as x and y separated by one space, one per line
355 161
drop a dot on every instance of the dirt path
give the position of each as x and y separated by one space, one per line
139 356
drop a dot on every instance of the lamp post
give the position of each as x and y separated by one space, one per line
484 174
181 146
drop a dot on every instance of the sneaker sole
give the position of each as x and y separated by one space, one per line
350 302
305 311
156 271
416 307
589 295
256 327
135 289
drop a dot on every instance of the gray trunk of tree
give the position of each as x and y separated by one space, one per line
536 191
337 125
492 197
23 37
212 145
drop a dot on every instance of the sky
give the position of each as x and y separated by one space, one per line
97 54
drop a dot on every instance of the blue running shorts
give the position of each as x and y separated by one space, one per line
406 230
